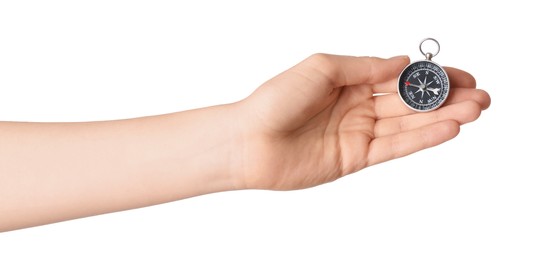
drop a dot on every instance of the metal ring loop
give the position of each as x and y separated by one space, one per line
432 54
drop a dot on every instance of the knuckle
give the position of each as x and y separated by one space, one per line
325 66
322 61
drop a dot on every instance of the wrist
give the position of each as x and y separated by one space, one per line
209 146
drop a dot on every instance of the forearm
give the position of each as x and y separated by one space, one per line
51 172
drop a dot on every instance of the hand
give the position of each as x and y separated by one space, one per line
330 116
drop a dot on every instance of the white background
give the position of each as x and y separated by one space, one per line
476 197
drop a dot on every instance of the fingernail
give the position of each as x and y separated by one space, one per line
399 57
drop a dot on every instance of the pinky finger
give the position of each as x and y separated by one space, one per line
398 145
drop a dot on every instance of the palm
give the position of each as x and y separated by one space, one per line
316 137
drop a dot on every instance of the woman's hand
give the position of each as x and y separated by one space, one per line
330 116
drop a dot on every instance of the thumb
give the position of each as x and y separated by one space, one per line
316 77
304 90
338 71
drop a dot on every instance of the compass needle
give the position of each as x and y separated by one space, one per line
434 90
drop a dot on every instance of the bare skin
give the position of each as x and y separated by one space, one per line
314 123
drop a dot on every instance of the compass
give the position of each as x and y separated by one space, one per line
424 85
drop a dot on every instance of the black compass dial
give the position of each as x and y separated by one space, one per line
423 86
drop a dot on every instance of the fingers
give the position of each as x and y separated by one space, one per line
458 79
464 112
337 71
478 95
398 145
391 105
387 87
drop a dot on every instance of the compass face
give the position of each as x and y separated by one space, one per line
423 86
